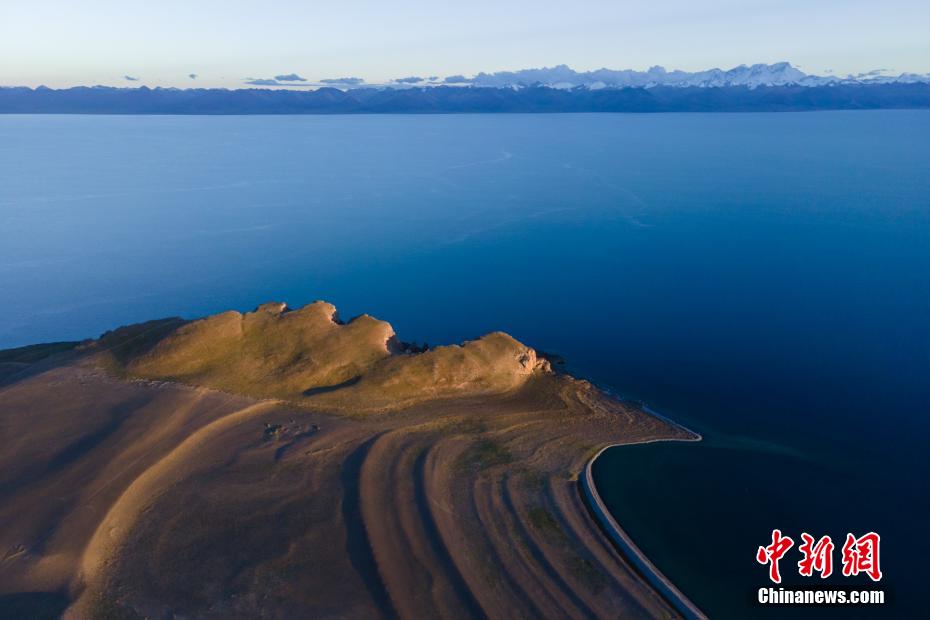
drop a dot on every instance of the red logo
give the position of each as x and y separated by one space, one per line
860 555
773 553
817 557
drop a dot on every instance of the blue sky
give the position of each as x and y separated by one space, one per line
223 42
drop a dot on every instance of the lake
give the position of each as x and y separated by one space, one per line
761 278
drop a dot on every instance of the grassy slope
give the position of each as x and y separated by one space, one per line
146 498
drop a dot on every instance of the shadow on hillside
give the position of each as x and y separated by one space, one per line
33 605
332 388
122 344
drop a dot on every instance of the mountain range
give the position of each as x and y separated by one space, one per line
756 88
564 77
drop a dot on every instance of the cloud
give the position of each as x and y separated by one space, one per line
262 82
432 78
873 73
129 78
347 81
285 79
456 79
409 80
192 76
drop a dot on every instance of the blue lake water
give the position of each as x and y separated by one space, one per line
763 278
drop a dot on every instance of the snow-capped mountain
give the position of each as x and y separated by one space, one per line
756 75
564 77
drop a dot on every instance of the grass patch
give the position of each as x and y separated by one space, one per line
484 454
463 426
533 480
587 573
106 607
543 521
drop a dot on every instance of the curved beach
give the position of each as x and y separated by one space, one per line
624 542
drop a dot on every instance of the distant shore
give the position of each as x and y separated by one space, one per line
454 100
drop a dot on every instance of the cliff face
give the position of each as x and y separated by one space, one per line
130 488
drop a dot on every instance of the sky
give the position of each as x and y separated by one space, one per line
223 43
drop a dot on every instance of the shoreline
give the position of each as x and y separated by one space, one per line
623 542
463 473
431 496
697 436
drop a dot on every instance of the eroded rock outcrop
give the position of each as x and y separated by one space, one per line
309 355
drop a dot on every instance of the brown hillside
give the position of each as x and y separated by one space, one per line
149 475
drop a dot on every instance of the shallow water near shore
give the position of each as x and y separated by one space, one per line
761 278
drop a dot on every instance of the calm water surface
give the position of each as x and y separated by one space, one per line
764 278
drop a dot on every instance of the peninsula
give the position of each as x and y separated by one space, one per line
282 463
